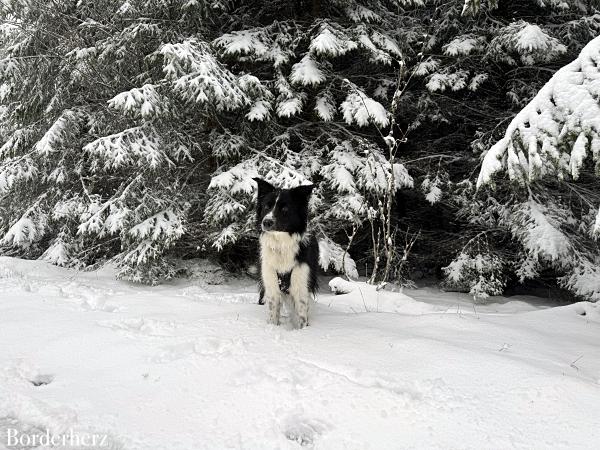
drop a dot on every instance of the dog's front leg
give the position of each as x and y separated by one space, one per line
272 296
274 305
300 294
302 312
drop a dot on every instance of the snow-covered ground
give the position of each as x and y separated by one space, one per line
190 365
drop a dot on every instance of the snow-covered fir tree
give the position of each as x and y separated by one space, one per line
134 134
130 130
551 153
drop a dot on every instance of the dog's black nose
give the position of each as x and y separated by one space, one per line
267 223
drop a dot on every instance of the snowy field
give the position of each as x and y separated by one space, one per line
192 365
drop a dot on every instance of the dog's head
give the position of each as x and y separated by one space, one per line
282 209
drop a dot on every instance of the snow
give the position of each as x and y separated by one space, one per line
340 286
439 82
330 42
564 109
58 132
533 38
307 72
13 170
477 81
260 111
144 102
134 146
426 67
542 237
289 107
463 45
359 13
57 253
578 155
165 223
431 189
193 365
325 108
23 232
334 255
243 42
199 77
361 109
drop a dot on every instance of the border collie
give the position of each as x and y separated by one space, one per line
288 254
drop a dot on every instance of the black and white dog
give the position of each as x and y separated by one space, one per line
289 255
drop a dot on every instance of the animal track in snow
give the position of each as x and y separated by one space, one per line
210 346
22 372
198 294
41 379
588 310
89 298
303 430
142 327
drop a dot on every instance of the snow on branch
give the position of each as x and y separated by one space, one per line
325 107
331 42
261 96
289 102
166 225
138 146
14 170
472 7
307 72
63 129
529 41
558 130
198 77
144 102
27 230
359 13
333 255
464 45
356 170
257 44
361 109
382 49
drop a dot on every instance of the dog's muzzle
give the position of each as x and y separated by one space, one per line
267 224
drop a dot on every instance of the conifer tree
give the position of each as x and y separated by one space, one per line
130 130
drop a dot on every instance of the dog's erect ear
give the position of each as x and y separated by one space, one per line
305 190
263 186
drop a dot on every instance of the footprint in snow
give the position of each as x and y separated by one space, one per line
41 379
88 297
208 347
588 310
24 372
199 294
303 430
142 327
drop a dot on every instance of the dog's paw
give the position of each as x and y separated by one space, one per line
272 320
302 322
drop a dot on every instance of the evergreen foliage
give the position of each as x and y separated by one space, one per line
130 131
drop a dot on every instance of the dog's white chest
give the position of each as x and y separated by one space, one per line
278 251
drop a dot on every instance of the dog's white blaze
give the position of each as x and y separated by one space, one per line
269 216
